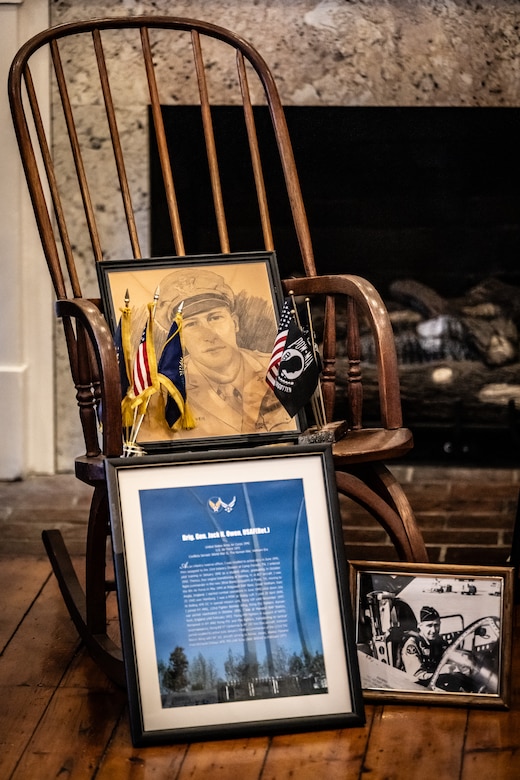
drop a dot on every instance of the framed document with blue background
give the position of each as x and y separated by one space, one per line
233 594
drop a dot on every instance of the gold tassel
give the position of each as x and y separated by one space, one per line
186 421
127 411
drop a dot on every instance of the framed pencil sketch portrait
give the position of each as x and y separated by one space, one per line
229 306
432 633
233 593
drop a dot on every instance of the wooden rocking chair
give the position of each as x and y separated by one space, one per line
129 66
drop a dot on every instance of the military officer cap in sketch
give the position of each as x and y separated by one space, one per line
197 289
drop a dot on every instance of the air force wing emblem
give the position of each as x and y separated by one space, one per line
217 505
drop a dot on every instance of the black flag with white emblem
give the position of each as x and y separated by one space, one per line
298 372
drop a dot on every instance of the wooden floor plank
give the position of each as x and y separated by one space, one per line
225 760
21 709
20 581
331 754
121 761
427 740
492 731
44 644
501 765
492 745
83 672
31 667
72 736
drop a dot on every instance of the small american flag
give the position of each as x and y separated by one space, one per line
142 375
279 344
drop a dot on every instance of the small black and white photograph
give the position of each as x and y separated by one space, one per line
431 630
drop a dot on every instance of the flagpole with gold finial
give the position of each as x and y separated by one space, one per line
125 345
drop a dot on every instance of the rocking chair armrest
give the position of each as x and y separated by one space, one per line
95 326
370 303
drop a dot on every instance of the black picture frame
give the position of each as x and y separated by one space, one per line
255 288
466 661
233 594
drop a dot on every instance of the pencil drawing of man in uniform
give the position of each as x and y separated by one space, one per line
225 382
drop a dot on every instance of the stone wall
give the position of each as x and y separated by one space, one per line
364 52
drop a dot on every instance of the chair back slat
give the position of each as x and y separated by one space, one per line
116 144
162 146
354 386
77 155
209 135
328 378
255 154
38 197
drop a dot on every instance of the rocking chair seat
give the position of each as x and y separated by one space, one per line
372 444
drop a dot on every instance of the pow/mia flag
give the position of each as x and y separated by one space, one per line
298 371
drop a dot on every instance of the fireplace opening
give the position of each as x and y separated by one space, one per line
424 203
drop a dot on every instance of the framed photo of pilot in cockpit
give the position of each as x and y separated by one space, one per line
228 307
433 633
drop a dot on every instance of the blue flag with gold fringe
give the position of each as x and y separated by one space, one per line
171 377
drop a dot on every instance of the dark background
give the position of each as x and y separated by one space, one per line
426 193
429 194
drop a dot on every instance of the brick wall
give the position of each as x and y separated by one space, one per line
466 515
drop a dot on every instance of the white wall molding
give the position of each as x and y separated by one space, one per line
26 316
